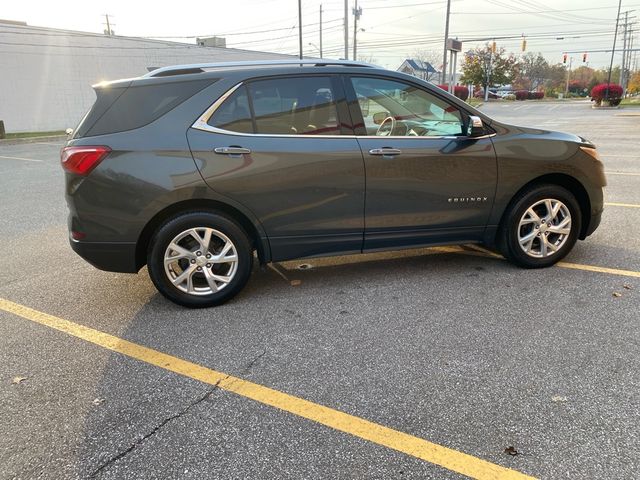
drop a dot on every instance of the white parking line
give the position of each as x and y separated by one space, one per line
631 174
48 143
20 158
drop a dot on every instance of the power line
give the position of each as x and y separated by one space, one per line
520 12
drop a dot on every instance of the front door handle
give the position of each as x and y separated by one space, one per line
385 151
231 150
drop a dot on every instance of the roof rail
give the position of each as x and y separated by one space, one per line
200 67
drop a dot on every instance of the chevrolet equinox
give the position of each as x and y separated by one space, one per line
191 169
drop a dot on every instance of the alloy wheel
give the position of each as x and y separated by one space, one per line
544 228
201 261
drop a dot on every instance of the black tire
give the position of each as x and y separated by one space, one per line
199 219
509 230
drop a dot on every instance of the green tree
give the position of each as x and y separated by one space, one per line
482 67
532 70
634 83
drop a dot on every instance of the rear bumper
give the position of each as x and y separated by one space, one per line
112 257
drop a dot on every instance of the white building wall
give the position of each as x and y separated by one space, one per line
46 74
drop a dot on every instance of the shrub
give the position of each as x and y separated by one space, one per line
536 95
461 92
522 94
599 94
509 96
458 90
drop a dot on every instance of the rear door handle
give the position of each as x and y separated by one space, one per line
231 150
385 151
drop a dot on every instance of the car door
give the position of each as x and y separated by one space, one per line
277 146
427 180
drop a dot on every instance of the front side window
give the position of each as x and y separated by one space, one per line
295 106
393 108
282 106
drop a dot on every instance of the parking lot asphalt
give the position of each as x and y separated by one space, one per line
451 347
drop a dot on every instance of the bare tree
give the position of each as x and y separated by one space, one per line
428 56
368 59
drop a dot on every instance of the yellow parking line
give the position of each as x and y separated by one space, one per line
594 268
481 252
416 447
629 205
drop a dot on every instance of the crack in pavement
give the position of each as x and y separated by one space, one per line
250 365
199 400
141 440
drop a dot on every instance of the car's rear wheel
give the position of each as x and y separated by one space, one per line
200 259
540 227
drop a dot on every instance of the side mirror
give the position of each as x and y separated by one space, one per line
379 117
476 127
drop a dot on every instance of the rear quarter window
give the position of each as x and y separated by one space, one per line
137 106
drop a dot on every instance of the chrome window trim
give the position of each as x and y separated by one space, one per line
202 124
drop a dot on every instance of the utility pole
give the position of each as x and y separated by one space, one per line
108 31
613 51
346 29
489 71
320 30
566 90
632 49
627 52
300 26
357 11
446 37
624 53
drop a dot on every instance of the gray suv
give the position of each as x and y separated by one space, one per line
193 168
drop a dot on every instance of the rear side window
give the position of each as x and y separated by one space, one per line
289 106
234 114
137 106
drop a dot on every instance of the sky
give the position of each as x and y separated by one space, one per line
392 30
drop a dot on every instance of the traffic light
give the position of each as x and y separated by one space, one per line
584 57
524 44
564 58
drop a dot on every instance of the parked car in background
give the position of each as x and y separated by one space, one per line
194 169
480 94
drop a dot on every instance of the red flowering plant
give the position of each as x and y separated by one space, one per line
458 90
603 92
522 94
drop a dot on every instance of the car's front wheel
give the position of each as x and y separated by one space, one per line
540 227
200 259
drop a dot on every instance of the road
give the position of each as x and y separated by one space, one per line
434 347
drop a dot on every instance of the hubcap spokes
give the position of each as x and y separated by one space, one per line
200 261
544 228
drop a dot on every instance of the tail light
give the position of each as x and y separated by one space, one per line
81 160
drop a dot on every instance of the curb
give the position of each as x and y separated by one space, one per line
18 141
